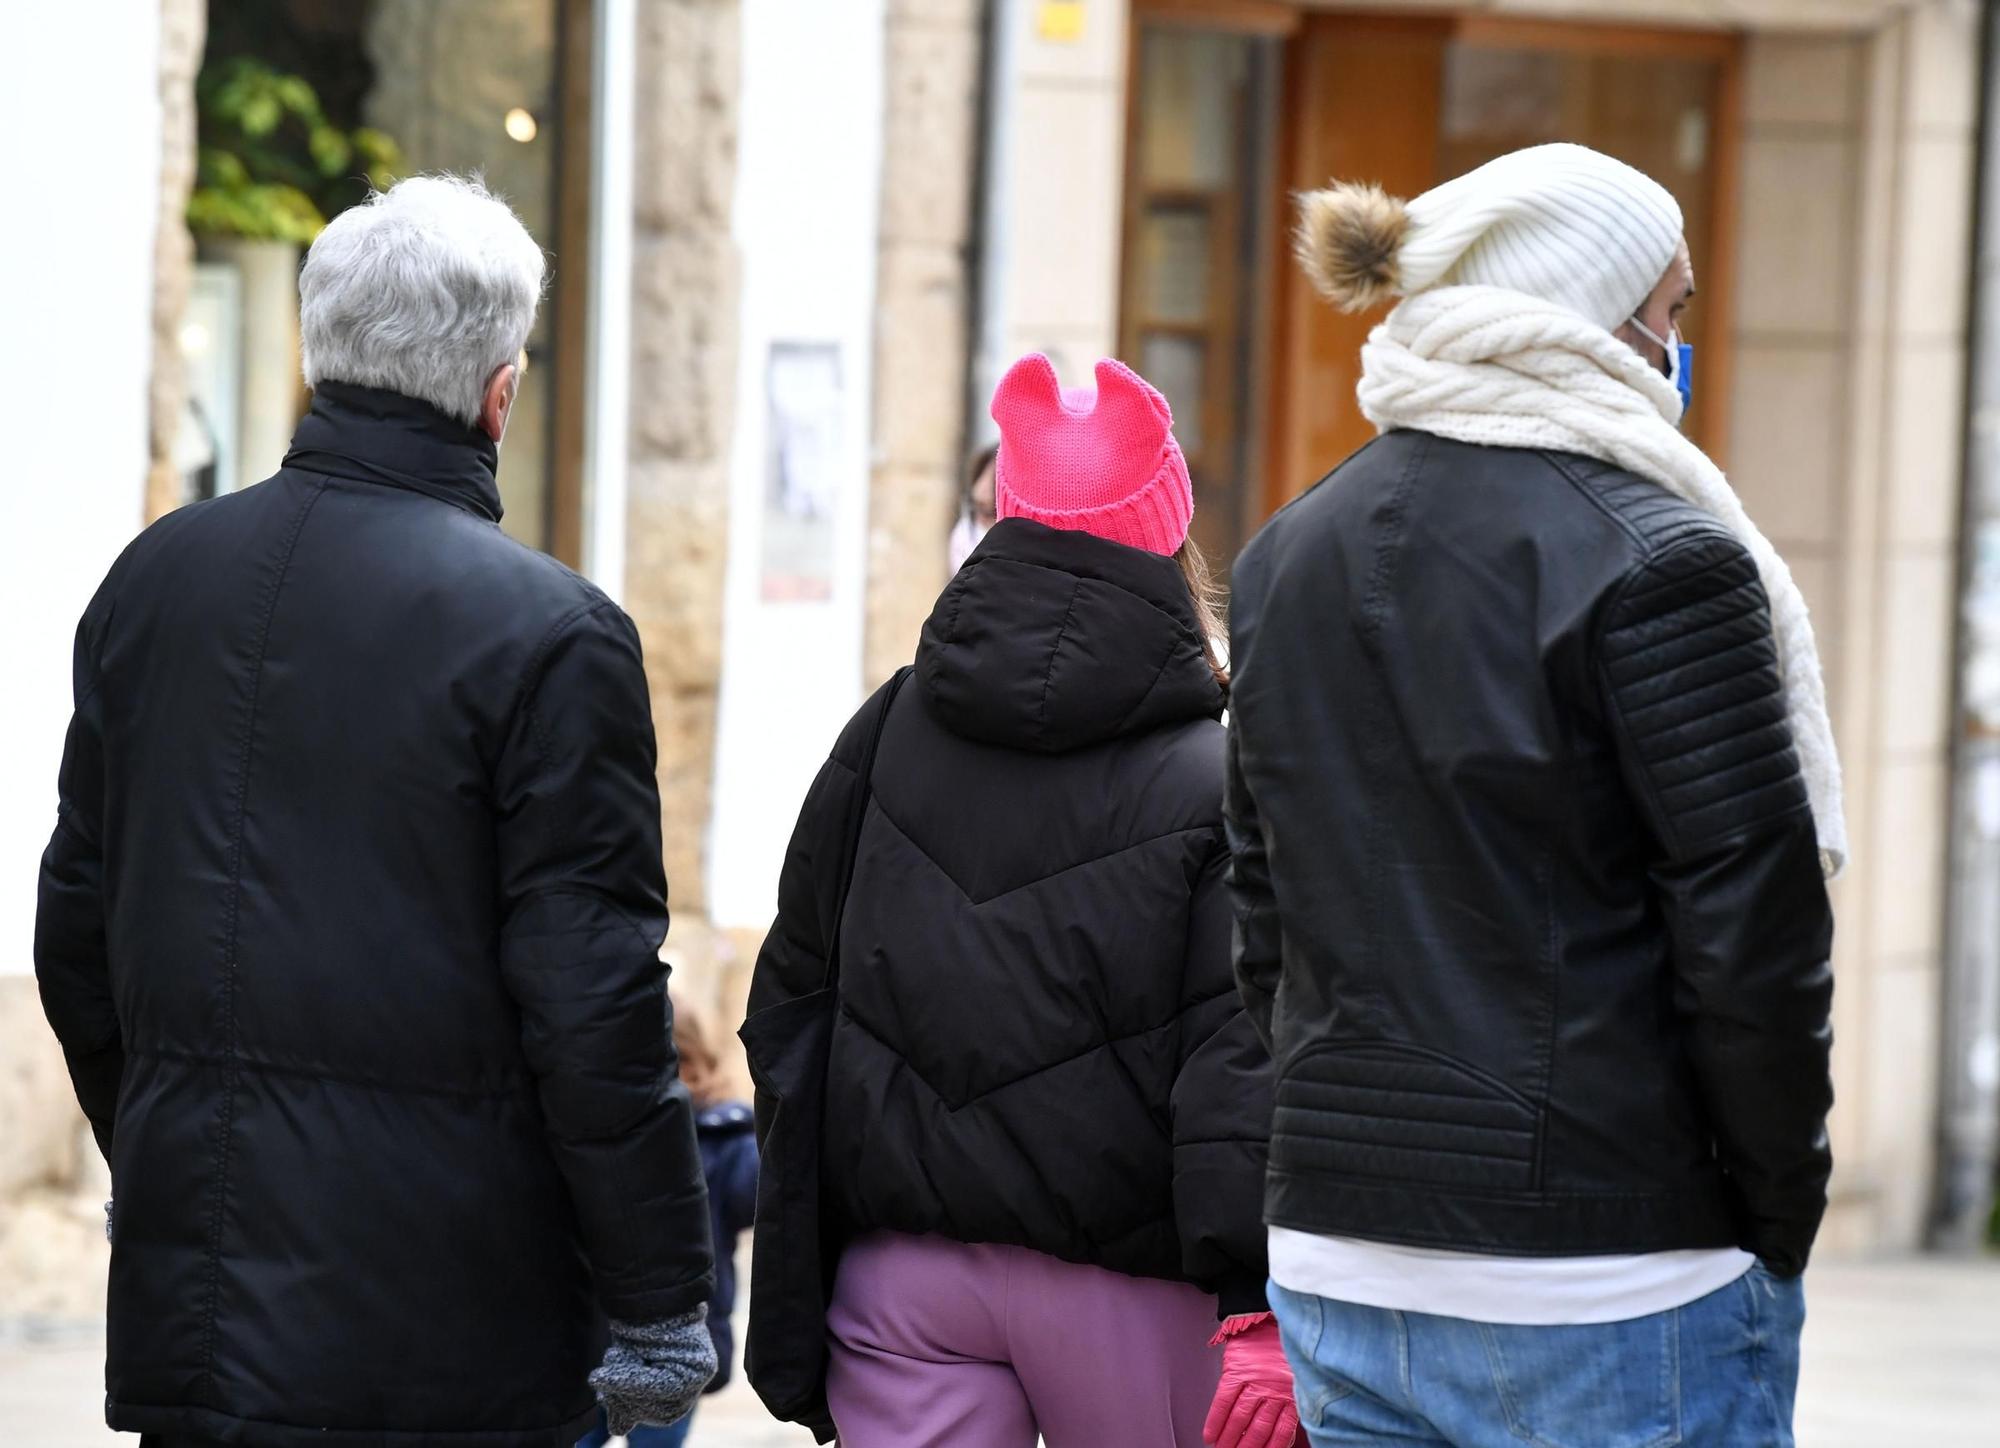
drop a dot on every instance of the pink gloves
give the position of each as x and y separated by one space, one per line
1253 1402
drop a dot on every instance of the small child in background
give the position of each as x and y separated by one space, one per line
727 1134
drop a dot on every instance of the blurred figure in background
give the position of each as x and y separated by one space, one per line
727 1132
975 506
1045 1116
349 925
1531 794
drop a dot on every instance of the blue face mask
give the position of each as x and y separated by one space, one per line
1680 361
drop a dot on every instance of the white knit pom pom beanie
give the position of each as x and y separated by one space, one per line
1562 223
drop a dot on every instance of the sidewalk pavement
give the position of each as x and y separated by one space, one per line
1897 1353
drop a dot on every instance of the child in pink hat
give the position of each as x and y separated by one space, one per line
1046 1111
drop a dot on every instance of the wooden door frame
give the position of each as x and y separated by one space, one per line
1253 19
1240 17
1284 19
1595 37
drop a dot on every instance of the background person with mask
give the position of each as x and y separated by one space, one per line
349 925
976 514
1532 797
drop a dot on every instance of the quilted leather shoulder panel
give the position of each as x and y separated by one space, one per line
1690 671
1655 518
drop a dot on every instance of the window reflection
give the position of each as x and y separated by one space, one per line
1195 231
493 86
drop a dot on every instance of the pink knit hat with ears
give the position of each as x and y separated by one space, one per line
1103 463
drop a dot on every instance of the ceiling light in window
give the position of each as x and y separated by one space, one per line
521 125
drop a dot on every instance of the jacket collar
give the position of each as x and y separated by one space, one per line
374 436
1049 641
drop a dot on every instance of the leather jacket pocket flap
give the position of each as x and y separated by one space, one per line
1386 1110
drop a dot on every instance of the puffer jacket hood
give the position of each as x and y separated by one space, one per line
1050 641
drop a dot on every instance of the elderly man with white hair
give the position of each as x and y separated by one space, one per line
349 924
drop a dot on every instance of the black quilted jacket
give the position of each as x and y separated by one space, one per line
1039 1040
348 930
1530 903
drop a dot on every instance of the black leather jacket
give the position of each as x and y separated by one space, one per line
1529 900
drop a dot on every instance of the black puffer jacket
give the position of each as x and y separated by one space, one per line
1531 899
1039 1041
349 930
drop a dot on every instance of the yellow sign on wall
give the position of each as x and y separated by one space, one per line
1060 21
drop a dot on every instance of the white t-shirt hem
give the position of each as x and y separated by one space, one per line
1520 1291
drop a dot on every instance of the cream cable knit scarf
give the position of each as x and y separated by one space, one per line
1486 365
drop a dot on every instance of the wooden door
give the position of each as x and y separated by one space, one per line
1409 102
1364 95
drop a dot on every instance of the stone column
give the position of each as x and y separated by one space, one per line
1897 596
183 27
929 161
684 324
1850 333
1061 170
53 1256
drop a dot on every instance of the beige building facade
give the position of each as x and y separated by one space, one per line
985 186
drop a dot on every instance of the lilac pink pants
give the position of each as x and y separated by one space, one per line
938 1343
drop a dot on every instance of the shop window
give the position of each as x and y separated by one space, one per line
1196 252
366 90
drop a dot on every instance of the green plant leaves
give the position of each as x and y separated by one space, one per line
217 167
255 212
271 166
381 158
331 150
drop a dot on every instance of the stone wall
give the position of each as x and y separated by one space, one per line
53 1182
684 324
930 136
53 1255
183 27
1856 241
1059 184
1848 420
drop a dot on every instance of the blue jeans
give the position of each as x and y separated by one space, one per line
1720 1372
641 1437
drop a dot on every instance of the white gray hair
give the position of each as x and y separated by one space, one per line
424 289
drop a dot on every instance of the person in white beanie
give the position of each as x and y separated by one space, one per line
1532 802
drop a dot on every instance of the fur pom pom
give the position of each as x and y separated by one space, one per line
1347 239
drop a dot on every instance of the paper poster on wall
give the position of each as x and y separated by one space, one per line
801 470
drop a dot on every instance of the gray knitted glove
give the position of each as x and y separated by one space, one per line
654 1371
